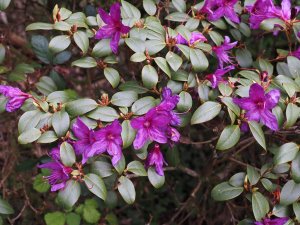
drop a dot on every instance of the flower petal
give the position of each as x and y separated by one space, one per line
104 16
268 119
272 98
115 12
114 43
140 139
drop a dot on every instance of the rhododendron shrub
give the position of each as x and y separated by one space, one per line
197 74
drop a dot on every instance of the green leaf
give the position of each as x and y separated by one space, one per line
126 189
40 184
133 86
40 47
185 102
62 57
216 37
124 98
120 166
86 62
82 41
67 154
265 65
101 168
128 133
149 76
296 208
80 106
2 53
137 168
138 57
244 57
46 85
135 44
143 105
180 5
70 194
47 137
286 153
260 206
177 17
292 114
28 120
91 214
61 123
230 104
162 64
149 6
105 114
61 96
237 180
154 46
62 26
102 48
129 11
174 60
73 219
257 133
5 207
224 191
156 180
59 43
294 66
55 218
295 168
198 60
289 193
39 26
112 76
29 136
95 185
269 24
253 175
4 4
206 112
229 137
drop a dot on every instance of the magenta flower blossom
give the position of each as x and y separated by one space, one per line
215 9
113 28
221 51
296 53
156 124
109 139
86 141
16 97
216 77
59 173
265 9
259 105
195 37
276 221
155 158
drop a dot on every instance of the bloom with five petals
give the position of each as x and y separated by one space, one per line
113 28
155 158
221 51
259 105
216 77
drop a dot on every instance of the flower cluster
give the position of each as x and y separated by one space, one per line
90 143
157 124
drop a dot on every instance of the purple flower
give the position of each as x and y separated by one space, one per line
59 173
151 126
113 28
155 158
16 97
216 77
156 124
296 53
215 9
276 221
109 139
259 105
265 9
86 141
221 51
195 37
